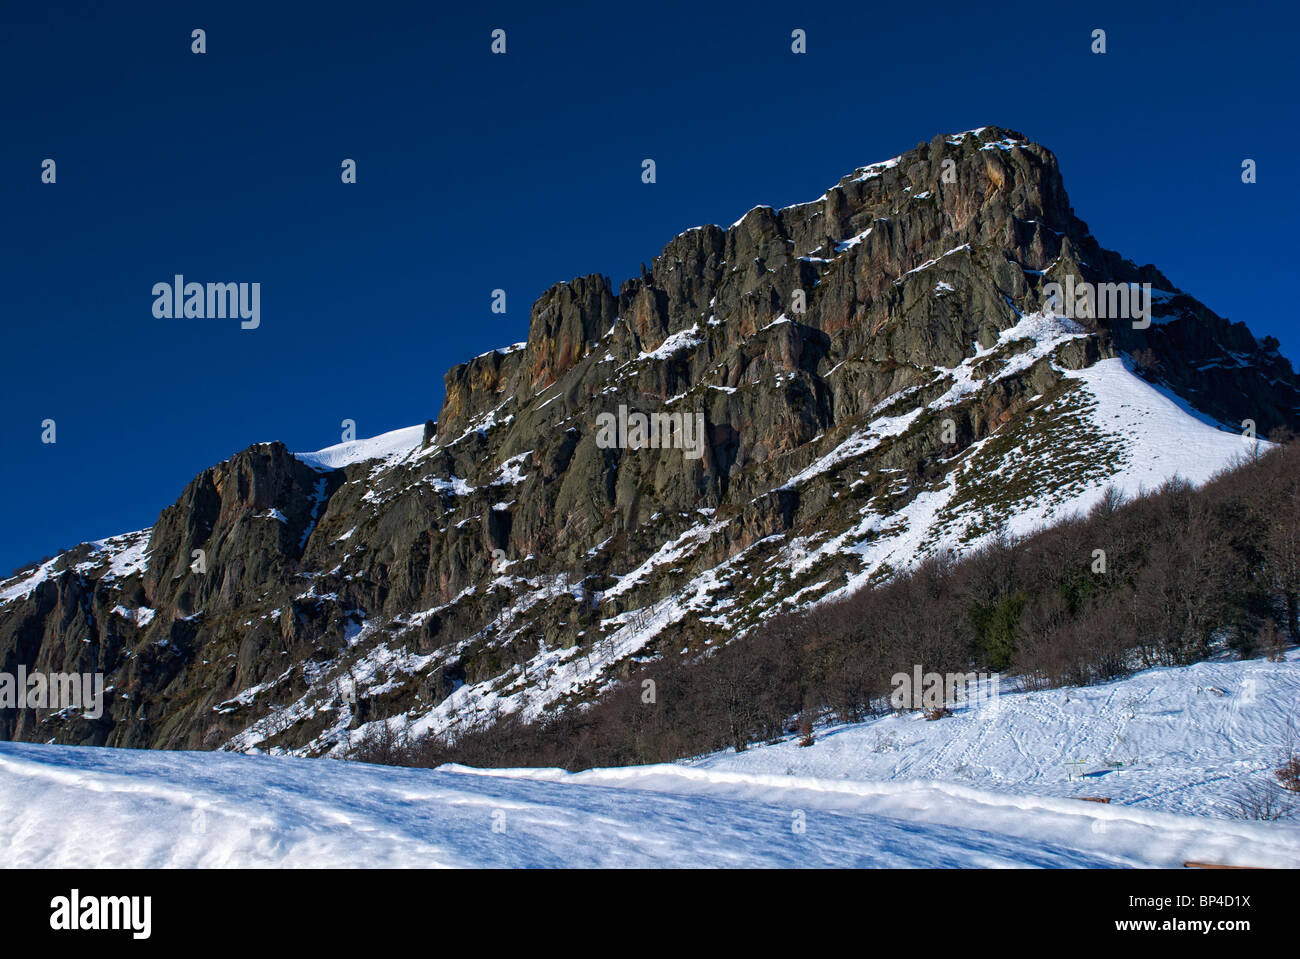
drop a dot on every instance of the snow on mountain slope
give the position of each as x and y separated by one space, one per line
113 558
1165 436
1107 427
21 586
127 554
389 446
1112 429
1187 740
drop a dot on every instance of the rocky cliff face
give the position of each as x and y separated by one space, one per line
875 375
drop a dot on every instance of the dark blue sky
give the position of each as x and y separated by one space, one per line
478 172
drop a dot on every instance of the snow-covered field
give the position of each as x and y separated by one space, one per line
1183 740
985 787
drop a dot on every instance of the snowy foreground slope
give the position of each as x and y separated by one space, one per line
1189 740
986 787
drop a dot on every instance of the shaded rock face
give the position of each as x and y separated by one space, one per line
845 359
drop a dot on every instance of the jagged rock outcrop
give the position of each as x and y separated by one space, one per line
874 374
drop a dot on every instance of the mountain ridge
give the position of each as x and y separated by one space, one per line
923 399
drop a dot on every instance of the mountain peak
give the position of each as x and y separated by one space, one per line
768 415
